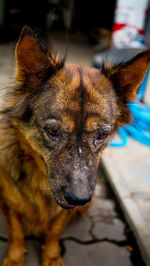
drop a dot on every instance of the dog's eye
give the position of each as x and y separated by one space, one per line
101 137
53 133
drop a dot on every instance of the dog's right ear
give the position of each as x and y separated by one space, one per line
126 79
34 63
128 76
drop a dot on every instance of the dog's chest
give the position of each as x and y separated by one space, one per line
35 189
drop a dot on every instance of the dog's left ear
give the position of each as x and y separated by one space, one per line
33 62
128 76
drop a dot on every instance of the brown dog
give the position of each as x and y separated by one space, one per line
55 122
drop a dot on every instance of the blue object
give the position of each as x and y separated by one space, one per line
140 130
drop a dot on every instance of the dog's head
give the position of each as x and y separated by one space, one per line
69 113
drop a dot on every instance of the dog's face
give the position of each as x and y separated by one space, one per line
73 130
69 114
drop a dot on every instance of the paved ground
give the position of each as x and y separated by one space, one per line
131 181
98 238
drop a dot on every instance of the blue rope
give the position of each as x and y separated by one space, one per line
140 130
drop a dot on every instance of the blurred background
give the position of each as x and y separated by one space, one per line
72 15
116 231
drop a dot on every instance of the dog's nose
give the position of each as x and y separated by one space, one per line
73 199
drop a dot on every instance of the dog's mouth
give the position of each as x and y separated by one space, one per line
64 205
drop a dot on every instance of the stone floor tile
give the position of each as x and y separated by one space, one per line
104 254
3 250
78 229
3 229
100 190
102 207
111 228
33 255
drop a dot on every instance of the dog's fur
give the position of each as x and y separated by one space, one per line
55 122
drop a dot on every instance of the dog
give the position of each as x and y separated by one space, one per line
56 120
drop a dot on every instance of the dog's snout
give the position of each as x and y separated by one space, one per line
73 199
